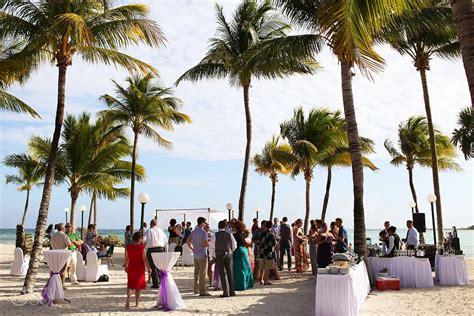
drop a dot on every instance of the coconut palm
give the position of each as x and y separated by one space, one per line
312 139
464 135
254 45
341 157
143 106
422 36
275 158
463 11
30 173
56 31
414 149
349 28
110 193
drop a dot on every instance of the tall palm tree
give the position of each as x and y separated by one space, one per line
30 173
341 157
254 45
349 28
110 193
274 159
312 139
422 36
55 31
143 106
414 149
464 135
463 11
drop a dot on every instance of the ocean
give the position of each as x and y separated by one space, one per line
466 237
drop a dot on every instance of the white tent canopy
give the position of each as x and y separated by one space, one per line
189 215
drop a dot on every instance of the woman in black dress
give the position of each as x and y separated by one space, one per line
324 242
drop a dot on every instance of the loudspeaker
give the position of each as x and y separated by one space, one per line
419 222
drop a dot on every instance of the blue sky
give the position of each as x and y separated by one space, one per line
204 167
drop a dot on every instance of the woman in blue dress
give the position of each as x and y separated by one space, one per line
243 276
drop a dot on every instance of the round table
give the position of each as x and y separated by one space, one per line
53 289
169 297
451 270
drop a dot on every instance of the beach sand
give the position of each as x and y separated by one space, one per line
293 295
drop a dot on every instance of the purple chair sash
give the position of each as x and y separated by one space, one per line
164 290
45 293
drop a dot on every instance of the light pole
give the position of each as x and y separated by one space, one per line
257 210
83 208
412 204
432 198
66 210
143 198
228 206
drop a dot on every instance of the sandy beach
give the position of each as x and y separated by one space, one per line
294 294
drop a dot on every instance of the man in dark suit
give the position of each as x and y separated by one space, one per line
225 245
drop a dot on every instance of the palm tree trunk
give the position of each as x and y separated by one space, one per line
94 197
326 196
30 277
412 188
434 156
248 121
272 204
308 208
360 246
463 11
132 181
26 208
72 218
90 210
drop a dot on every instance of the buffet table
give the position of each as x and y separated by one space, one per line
342 294
451 270
413 272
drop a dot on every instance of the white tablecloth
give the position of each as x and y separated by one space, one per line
342 294
451 270
56 259
413 272
168 295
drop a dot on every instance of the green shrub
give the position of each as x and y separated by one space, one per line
112 240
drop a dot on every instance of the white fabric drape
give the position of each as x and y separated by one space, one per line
342 294
56 259
164 261
20 264
451 270
413 272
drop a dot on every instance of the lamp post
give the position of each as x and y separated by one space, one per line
83 208
143 198
432 198
66 210
257 210
412 204
228 206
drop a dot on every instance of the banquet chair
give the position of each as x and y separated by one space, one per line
93 269
20 263
172 247
109 256
188 257
80 267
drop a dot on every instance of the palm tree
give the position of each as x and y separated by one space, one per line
30 173
463 11
55 32
464 135
275 158
143 106
110 193
349 28
414 149
423 35
341 157
254 45
312 139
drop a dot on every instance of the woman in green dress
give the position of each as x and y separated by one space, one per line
243 276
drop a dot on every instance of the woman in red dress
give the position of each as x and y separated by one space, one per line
135 262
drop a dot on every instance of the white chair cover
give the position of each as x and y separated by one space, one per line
188 256
168 295
342 294
80 267
56 259
172 247
20 264
451 270
93 269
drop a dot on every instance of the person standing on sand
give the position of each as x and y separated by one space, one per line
412 236
286 240
155 242
198 242
225 245
266 247
135 263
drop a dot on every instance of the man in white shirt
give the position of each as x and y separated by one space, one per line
155 242
412 236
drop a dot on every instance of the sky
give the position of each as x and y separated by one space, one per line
204 167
